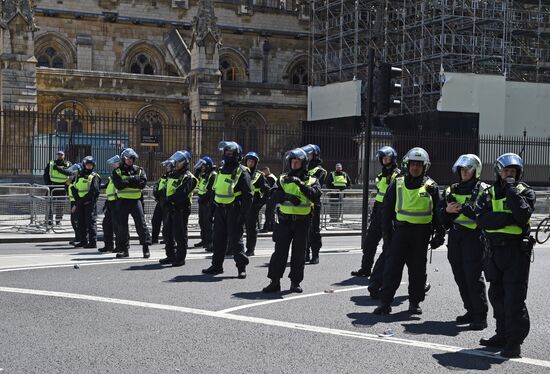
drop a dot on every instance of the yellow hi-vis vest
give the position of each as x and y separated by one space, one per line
162 183
339 180
382 185
462 220
130 193
305 207
255 177
70 190
203 183
55 176
172 185
413 206
111 190
224 187
499 205
83 184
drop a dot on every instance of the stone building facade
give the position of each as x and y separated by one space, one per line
229 64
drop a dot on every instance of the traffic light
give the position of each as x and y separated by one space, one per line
386 88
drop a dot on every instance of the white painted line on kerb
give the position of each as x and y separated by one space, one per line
275 323
290 298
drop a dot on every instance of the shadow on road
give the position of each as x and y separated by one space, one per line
81 259
369 319
57 247
198 278
461 361
447 328
154 266
353 281
259 295
369 301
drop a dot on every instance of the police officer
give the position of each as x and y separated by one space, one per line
316 170
129 180
503 213
159 191
72 172
337 180
179 192
57 181
269 221
86 191
465 250
204 171
295 192
156 219
232 198
409 218
109 222
260 188
387 156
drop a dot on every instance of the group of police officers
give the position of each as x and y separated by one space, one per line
488 225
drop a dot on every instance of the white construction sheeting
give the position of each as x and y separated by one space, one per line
334 100
504 107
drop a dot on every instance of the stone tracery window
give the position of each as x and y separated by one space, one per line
50 58
299 75
231 70
142 64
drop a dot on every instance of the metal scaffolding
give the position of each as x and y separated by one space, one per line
426 38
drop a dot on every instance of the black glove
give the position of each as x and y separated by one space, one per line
468 210
437 241
295 200
509 182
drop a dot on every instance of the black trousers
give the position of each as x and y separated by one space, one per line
109 223
314 231
87 216
374 235
168 231
465 255
180 219
285 233
409 246
507 270
74 223
156 221
56 203
125 208
336 201
269 215
205 222
228 234
252 227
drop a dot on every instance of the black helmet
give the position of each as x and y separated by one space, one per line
509 160
298 153
387 151
233 147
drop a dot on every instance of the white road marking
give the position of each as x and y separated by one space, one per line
275 323
290 298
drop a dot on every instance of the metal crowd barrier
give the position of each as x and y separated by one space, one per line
39 209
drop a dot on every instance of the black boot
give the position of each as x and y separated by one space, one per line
242 273
414 308
209 248
295 287
478 325
511 351
249 252
122 254
199 244
90 245
308 255
146 253
494 341
178 262
466 318
374 292
107 248
212 270
80 244
382 309
274 286
166 260
361 273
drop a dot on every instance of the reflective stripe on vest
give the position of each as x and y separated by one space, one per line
224 187
255 178
130 193
499 205
382 185
111 190
57 177
413 206
305 206
162 183
462 220
83 184
339 180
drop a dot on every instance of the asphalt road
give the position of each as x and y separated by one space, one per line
135 316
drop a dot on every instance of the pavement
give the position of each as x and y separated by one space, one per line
67 310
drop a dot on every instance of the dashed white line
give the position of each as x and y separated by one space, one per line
275 323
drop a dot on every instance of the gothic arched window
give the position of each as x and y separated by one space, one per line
231 70
50 58
246 131
142 64
299 75
150 124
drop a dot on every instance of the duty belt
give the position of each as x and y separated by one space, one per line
503 242
293 217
